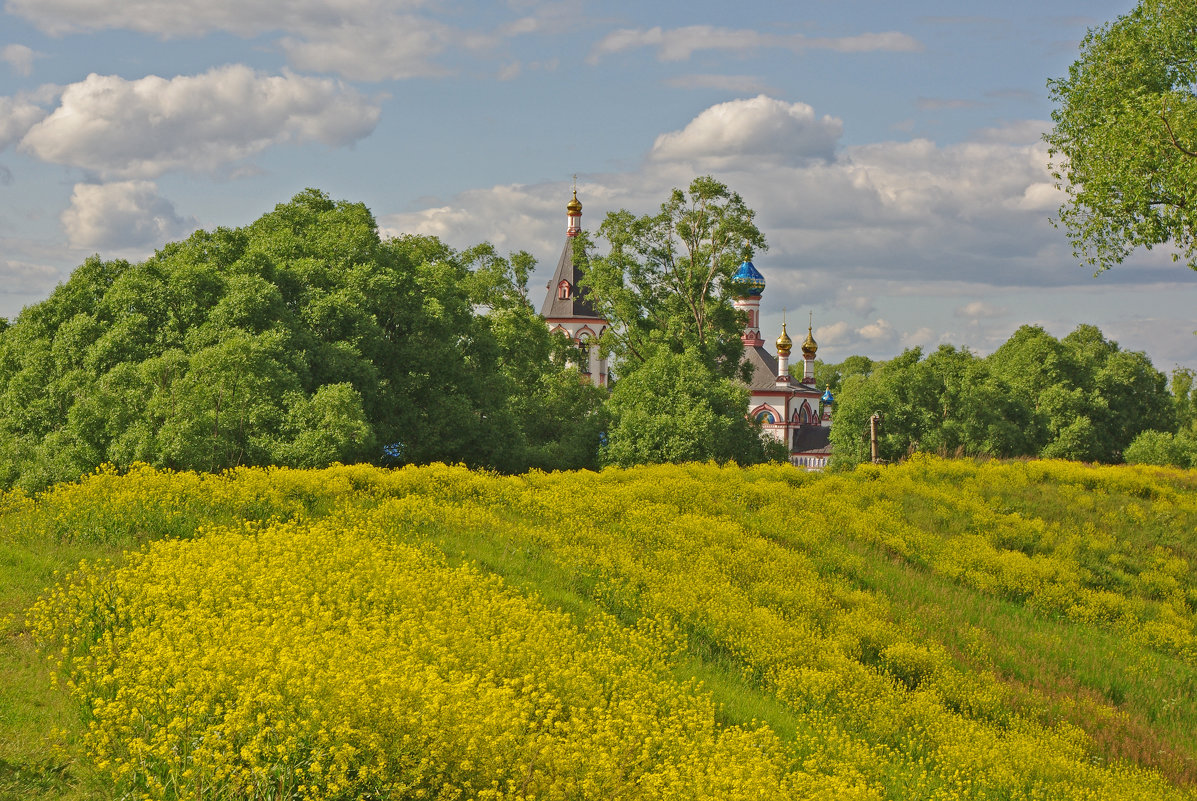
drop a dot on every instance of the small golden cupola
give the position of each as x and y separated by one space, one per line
784 343
809 347
573 213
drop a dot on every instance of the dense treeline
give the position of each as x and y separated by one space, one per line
1081 397
301 339
305 339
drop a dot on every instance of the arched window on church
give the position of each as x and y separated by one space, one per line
563 290
584 355
764 415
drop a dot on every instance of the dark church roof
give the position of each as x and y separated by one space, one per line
576 304
809 439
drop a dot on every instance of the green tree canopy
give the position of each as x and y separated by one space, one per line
664 280
1081 398
561 417
1163 448
675 332
301 339
672 408
1124 143
952 402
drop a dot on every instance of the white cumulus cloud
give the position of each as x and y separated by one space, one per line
18 57
18 277
923 337
17 116
124 216
146 127
877 331
761 130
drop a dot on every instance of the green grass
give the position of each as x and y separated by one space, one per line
39 725
1057 669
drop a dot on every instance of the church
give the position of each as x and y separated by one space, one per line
792 410
789 409
567 311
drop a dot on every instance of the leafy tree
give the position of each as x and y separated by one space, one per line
561 415
322 428
1090 397
1163 448
1069 413
673 408
1081 398
675 332
830 376
1039 366
950 403
1184 397
1124 142
664 281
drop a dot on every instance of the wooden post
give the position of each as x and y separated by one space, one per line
873 423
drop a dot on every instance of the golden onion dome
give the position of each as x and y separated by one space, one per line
784 343
574 207
809 347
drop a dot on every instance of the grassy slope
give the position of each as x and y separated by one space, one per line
1136 702
38 725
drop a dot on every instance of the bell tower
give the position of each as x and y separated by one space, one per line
565 306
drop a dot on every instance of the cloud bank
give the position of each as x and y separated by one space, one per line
870 234
143 128
902 211
361 40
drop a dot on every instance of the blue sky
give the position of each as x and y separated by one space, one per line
891 150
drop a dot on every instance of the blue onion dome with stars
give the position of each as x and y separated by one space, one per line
827 398
748 281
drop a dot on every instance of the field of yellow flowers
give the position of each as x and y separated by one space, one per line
937 629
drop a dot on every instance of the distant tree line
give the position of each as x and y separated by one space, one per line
1081 397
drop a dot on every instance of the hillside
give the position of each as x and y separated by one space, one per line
935 629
